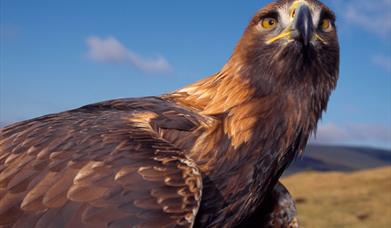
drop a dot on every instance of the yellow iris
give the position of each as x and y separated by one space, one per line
269 23
326 25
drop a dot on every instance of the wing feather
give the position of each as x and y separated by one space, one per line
94 168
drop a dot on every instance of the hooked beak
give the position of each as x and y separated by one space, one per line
302 26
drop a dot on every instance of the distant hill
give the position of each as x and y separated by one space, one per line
335 199
339 158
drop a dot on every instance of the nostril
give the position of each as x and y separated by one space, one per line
293 14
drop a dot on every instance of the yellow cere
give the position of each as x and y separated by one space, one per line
282 35
296 5
286 34
320 38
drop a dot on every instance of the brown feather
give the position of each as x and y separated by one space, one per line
207 155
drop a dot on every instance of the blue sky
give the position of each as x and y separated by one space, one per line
58 55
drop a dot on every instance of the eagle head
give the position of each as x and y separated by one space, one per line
288 45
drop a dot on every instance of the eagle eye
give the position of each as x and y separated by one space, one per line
326 25
269 23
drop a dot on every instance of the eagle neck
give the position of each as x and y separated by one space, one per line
253 133
217 94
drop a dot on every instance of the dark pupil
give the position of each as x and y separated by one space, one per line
271 22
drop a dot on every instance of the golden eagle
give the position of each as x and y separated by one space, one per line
207 155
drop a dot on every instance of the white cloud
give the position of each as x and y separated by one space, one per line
331 133
373 16
111 50
382 61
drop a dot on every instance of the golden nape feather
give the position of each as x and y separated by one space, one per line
207 155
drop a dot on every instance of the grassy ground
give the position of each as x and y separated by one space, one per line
360 199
